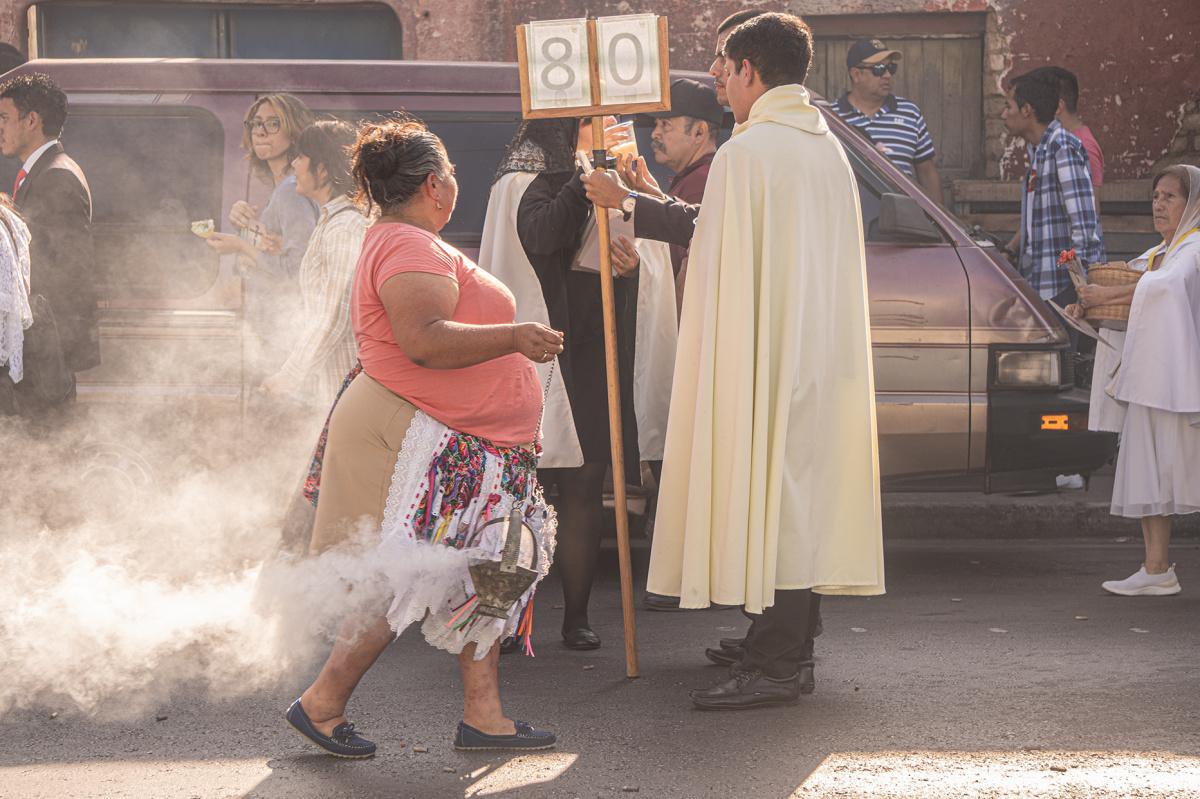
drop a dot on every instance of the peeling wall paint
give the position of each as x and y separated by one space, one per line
1138 63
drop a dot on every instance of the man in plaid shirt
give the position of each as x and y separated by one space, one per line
1058 209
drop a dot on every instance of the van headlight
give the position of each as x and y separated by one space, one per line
1028 369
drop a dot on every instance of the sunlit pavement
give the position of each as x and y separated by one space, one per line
990 669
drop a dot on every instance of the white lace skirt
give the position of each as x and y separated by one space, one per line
446 486
1158 466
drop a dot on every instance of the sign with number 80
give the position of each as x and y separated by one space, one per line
579 67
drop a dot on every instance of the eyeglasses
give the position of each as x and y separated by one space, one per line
878 69
269 125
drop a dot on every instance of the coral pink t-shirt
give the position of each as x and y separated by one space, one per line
499 400
1095 154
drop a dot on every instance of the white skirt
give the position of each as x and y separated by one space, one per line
1158 466
1105 413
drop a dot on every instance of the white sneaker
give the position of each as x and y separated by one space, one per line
1142 584
1071 481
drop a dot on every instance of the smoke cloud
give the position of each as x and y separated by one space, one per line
130 566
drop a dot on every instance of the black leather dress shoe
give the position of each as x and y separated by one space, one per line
723 656
745 690
733 643
581 638
660 602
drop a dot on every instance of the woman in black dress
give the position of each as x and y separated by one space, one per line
552 217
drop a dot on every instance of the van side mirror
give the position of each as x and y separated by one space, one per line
900 217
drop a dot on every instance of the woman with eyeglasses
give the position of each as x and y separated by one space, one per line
271 241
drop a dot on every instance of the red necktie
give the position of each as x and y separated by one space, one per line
17 183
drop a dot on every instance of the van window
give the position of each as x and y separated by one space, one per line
476 143
191 30
152 171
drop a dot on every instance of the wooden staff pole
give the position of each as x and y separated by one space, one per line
614 418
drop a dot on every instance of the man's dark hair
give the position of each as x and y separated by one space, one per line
737 18
1040 92
36 92
10 58
778 46
1068 85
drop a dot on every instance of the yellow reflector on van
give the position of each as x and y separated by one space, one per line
1058 421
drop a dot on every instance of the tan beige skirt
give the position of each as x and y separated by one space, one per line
366 433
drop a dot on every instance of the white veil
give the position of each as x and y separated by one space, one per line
1191 211
15 313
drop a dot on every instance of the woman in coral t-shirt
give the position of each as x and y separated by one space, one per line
433 439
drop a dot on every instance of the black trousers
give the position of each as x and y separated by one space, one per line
780 639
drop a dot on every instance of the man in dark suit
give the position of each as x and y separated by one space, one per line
52 194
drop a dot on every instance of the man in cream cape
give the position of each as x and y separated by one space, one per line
770 485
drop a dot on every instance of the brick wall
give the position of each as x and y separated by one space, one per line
1138 64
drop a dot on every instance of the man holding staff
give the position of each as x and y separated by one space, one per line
770 487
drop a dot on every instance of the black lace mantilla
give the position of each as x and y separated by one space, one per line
541 145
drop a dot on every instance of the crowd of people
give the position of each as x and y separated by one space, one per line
469 421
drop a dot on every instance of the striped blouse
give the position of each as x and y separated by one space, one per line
325 350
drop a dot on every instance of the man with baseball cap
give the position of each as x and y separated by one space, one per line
894 124
685 140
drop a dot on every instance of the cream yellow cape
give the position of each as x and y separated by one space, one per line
771 472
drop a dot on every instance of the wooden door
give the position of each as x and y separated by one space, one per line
942 73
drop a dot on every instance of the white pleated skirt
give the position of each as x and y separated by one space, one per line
1158 466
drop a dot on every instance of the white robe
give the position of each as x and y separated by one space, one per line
771 474
1158 383
501 254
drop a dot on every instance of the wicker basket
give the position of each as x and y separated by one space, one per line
1115 273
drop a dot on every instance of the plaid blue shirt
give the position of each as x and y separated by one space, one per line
1058 211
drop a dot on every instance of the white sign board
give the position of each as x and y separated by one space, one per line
629 59
559 74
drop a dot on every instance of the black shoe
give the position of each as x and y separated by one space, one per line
469 739
344 742
738 644
723 656
660 602
581 638
744 690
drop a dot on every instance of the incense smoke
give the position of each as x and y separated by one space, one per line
132 560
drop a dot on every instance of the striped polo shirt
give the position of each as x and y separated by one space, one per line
898 128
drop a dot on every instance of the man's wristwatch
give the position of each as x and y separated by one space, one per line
629 203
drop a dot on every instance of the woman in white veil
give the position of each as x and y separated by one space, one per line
1157 385
15 313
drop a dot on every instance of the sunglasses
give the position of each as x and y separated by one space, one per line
269 125
878 69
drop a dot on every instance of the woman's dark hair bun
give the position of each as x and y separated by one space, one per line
392 158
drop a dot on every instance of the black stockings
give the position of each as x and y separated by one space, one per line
580 523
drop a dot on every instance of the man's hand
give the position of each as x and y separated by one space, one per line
634 172
625 257
604 189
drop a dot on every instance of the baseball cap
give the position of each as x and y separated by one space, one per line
869 51
691 98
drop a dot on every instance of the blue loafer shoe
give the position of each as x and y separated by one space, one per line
344 742
526 737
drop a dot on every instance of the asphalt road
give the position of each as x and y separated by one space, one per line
974 676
